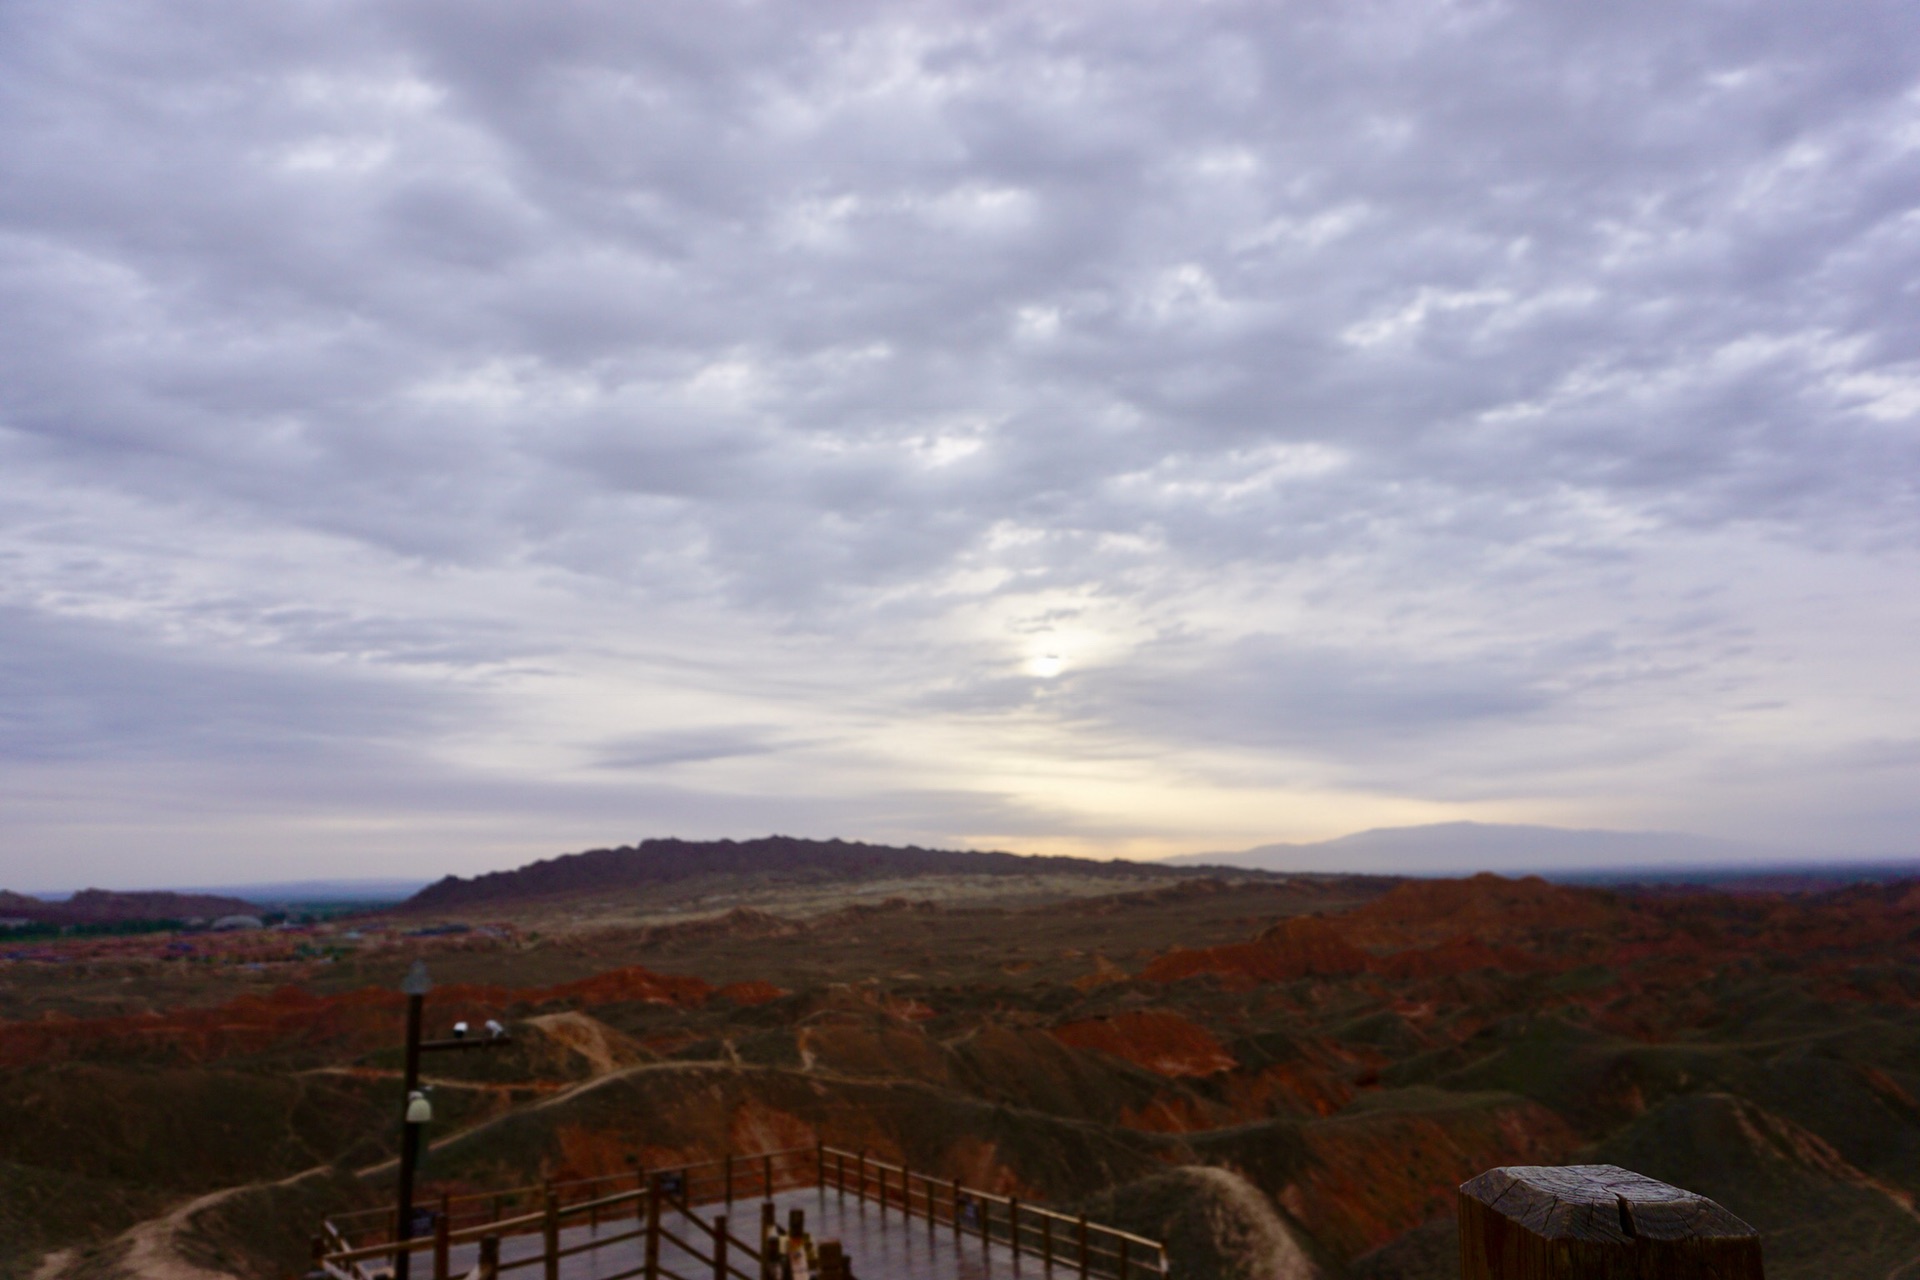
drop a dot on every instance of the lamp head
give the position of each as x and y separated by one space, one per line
417 983
459 1031
419 1110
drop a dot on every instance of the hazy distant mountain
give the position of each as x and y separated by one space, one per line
1461 848
293 892
101 906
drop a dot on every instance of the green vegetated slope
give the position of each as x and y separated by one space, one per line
1281 1078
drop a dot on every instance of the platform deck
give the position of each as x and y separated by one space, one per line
878 1247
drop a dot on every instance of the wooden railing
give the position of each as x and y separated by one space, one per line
1071 1243
646 1198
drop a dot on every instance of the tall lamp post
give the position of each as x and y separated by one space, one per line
415 1110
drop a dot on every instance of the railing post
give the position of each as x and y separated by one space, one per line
720 1247
766 1174
880 1171
1586 1222
729 1180
550 1232
489 1257
441 1244
1046 1242
956 1215
820 1163
1013 1228
1082 1233
1122 1271
840 1175
653 1227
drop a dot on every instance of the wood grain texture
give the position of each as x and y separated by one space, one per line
1597 1222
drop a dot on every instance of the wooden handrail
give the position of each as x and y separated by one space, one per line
1093 1249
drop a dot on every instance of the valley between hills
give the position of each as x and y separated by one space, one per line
1281 1075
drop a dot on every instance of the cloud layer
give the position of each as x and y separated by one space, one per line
432 433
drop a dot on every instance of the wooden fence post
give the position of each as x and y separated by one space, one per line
1013 1228
840 1175
766 1174
1046 1241
881 1171
1082 1231
653 1227
729 1180
956 1215
720 1247
441 1245
1122 1269
550 1232
1595 1221
489 1257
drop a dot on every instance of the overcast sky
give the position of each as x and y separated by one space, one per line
438 433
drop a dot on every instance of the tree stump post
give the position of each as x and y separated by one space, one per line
1597 1222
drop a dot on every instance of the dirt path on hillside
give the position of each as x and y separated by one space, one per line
149 1250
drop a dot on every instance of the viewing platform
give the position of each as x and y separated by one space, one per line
796 1214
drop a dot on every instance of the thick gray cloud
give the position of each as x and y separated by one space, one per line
1121 426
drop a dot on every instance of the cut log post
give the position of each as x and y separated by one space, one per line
1597 1222
833 1260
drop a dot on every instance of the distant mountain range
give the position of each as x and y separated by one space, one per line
663 861
1462 848
102 906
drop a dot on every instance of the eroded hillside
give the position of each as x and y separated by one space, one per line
1343 1051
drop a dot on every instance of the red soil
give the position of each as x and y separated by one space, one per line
1158 1040
292 1018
